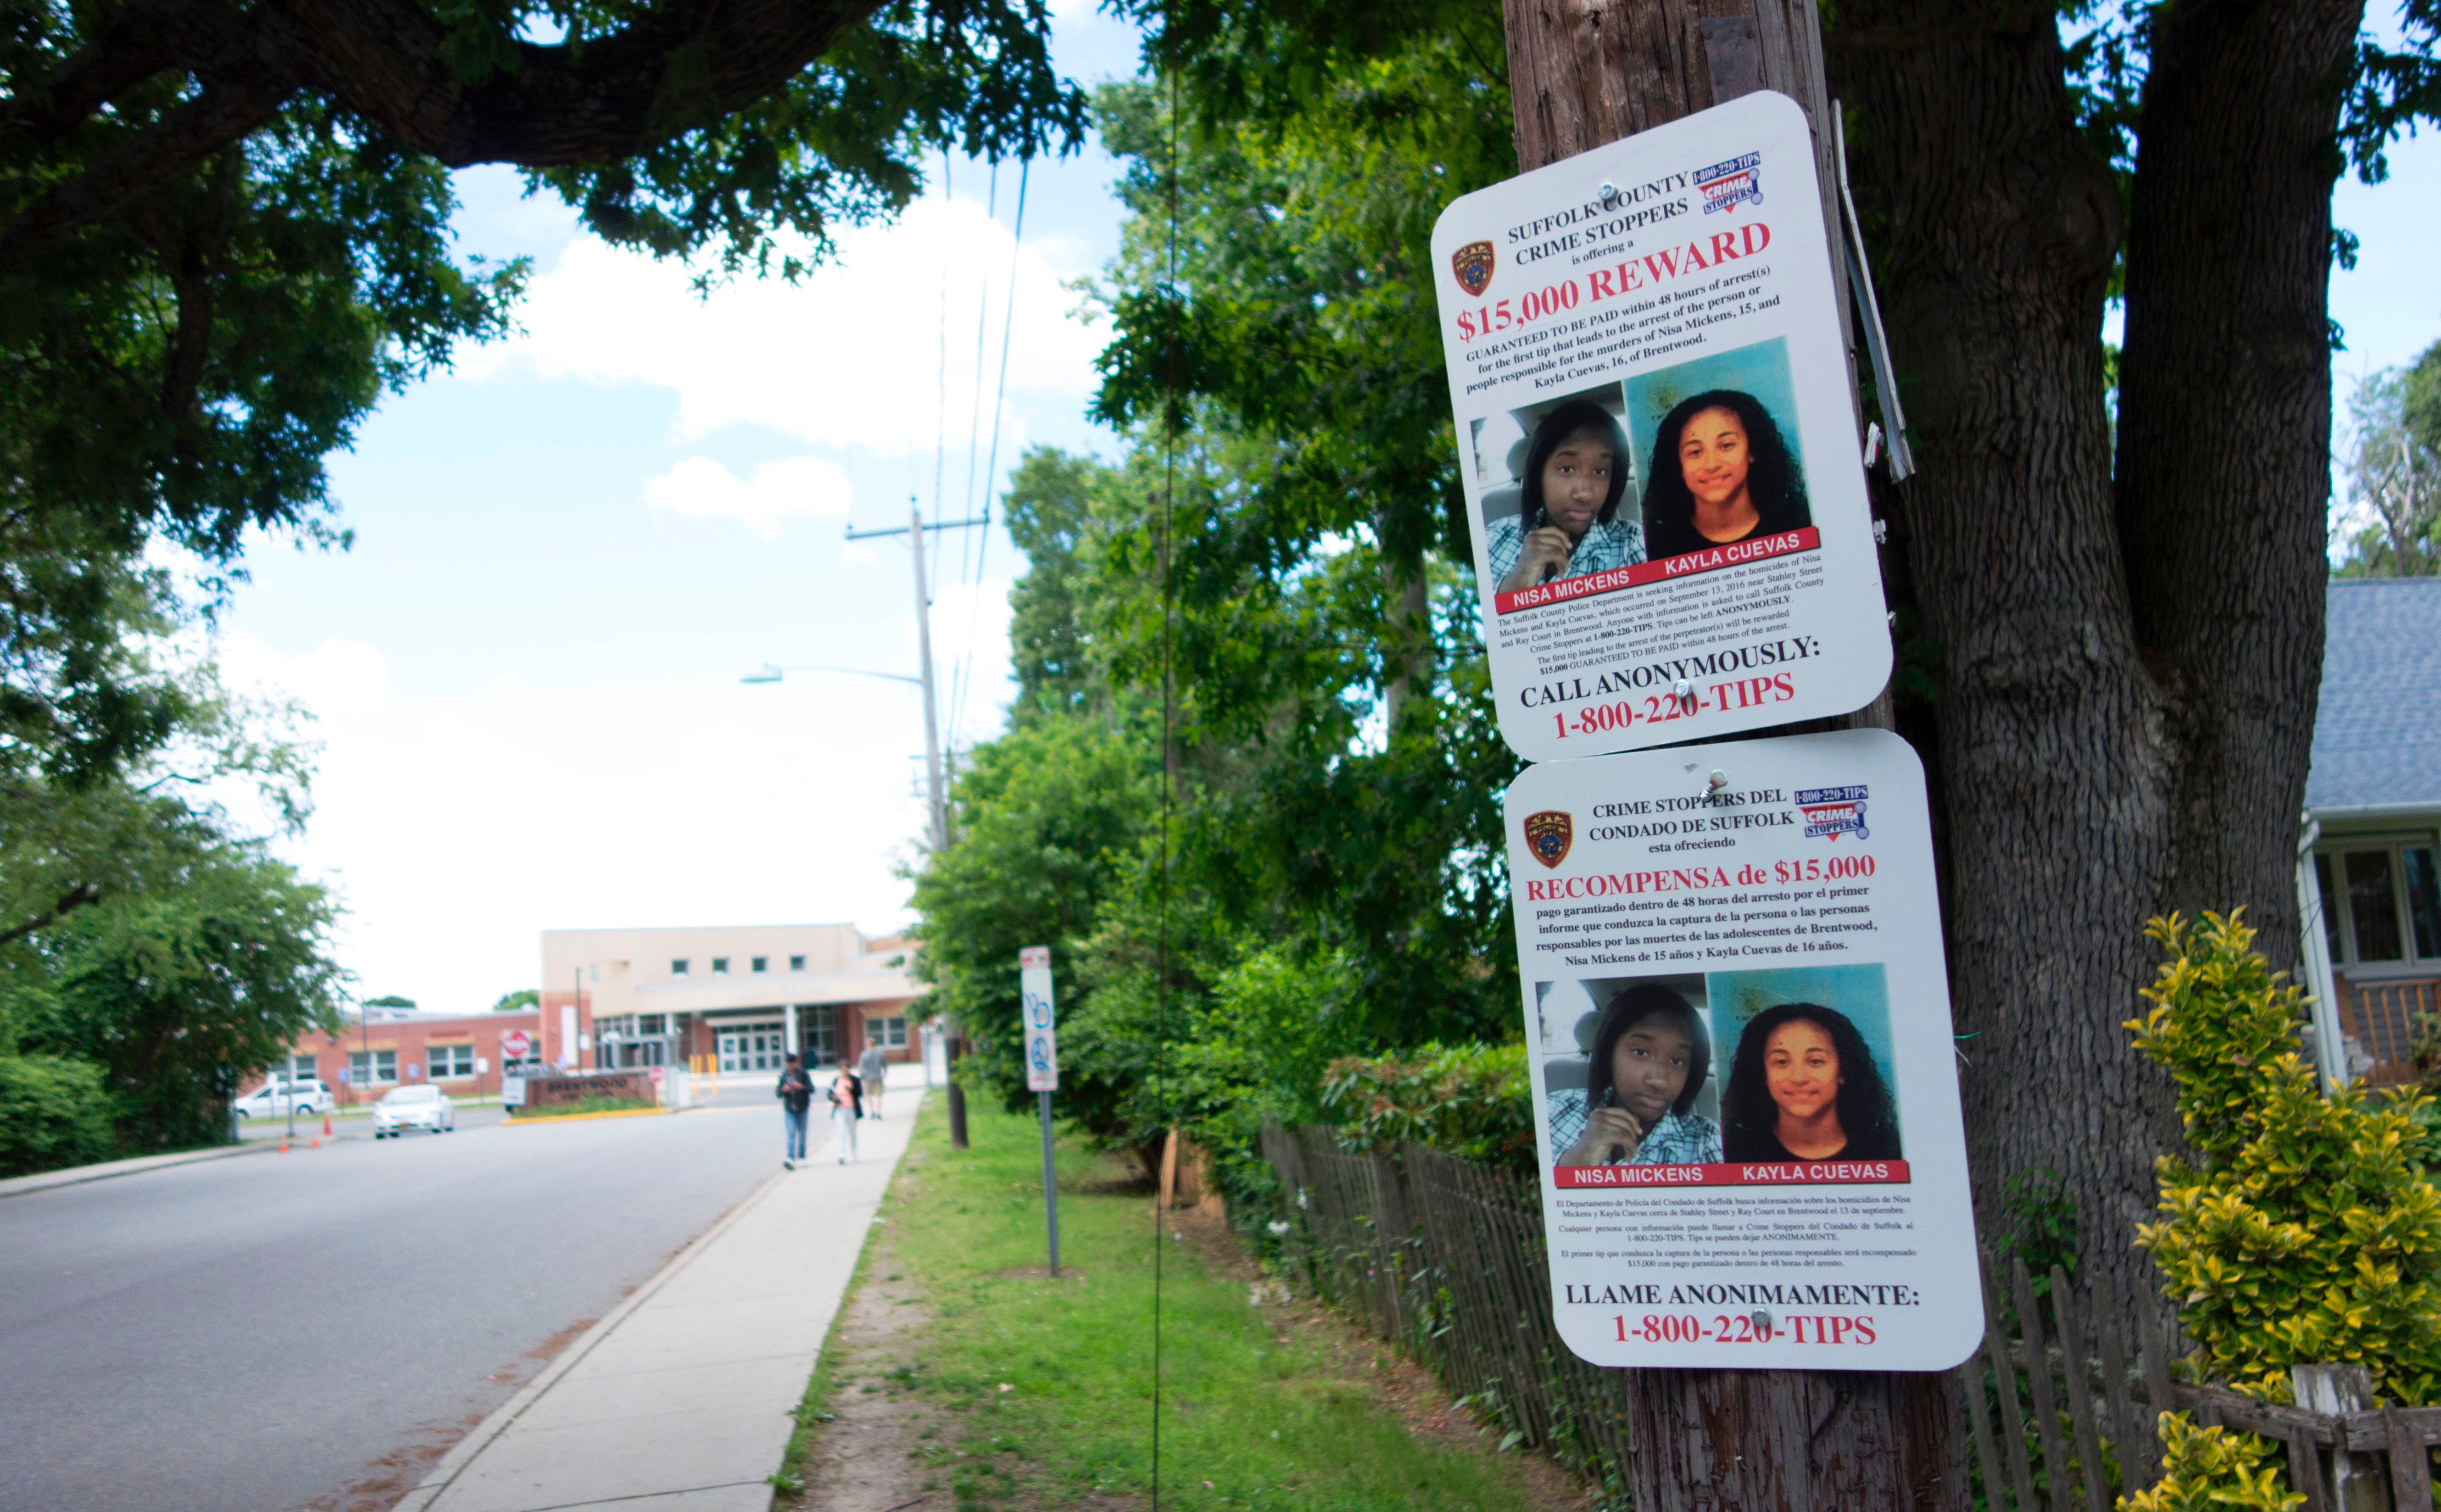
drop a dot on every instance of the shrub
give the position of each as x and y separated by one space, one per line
2303 1230
53 1114
2211 1469
1467 1100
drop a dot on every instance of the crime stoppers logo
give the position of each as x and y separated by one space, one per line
1833 812
1549 835
1724 185
1472 265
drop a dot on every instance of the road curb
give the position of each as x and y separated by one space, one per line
80 1174
437 1479
579 1118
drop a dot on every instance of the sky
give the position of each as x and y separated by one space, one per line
524 674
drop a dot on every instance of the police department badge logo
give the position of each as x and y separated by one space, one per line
1472 265
1724 185
1548 834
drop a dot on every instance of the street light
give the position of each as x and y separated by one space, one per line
771 673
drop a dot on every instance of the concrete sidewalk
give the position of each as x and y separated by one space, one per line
679 1401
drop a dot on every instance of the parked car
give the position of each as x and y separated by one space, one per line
402 1108
271 1099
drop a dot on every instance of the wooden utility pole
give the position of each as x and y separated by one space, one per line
1583 73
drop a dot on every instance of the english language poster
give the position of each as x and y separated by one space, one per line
1663 477
1745 1092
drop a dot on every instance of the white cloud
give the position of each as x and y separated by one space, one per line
850 356
702 489
337 680
970 647
458 827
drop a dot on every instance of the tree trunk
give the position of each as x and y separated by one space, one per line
2222 503
2128 681
1996 229
1583 73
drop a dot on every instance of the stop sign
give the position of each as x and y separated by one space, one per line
515 1044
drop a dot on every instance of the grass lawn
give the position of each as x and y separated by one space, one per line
1015 1391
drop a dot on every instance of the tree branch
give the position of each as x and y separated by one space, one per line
687 63
221 117
73 899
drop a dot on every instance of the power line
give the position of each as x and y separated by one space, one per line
941 387
1000 401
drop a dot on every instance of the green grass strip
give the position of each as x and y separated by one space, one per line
1250 1419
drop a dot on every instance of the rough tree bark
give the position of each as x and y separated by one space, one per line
2221 504
2127 679
1583 73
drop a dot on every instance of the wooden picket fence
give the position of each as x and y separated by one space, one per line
1444 1257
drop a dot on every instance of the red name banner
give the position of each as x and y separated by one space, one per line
1561 590
1737 1173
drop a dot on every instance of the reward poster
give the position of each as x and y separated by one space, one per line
1744 1086
1663 478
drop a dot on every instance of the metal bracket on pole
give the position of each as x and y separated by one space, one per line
1877 345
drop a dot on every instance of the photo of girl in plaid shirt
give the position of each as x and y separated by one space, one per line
1651 1053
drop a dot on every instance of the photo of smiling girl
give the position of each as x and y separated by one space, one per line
1722 472
1569 522
1805 1086
1649 1059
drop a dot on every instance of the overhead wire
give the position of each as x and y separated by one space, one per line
962 668
941 389
1000 404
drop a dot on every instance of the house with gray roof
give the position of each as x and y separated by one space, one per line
2366 868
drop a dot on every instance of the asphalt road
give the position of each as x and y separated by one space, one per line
311 1330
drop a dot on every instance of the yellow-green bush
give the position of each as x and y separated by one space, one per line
2302 1231
2212 1470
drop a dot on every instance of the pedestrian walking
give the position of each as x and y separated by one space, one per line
847 1105
795 1094
875 1064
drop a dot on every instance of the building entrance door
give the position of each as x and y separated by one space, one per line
821 1029
750 1048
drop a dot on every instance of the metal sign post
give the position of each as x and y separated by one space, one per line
1041 1071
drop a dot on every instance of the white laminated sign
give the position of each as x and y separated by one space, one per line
1662 472
1041 1021
1745 1095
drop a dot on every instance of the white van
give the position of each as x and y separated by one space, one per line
271 1099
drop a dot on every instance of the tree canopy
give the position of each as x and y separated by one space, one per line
223 233
2392 527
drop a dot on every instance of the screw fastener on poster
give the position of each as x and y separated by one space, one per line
1042 1070
1737 1019
1664 482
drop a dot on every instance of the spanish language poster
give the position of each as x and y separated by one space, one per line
1746 1094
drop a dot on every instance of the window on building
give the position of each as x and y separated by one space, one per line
761 964
372 1068
679 967
452 1062
2381 905
796 963
300 1067
653 1024
890 1034
720 965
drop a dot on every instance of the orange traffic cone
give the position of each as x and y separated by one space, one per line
283 1146
326 1125
318 1144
